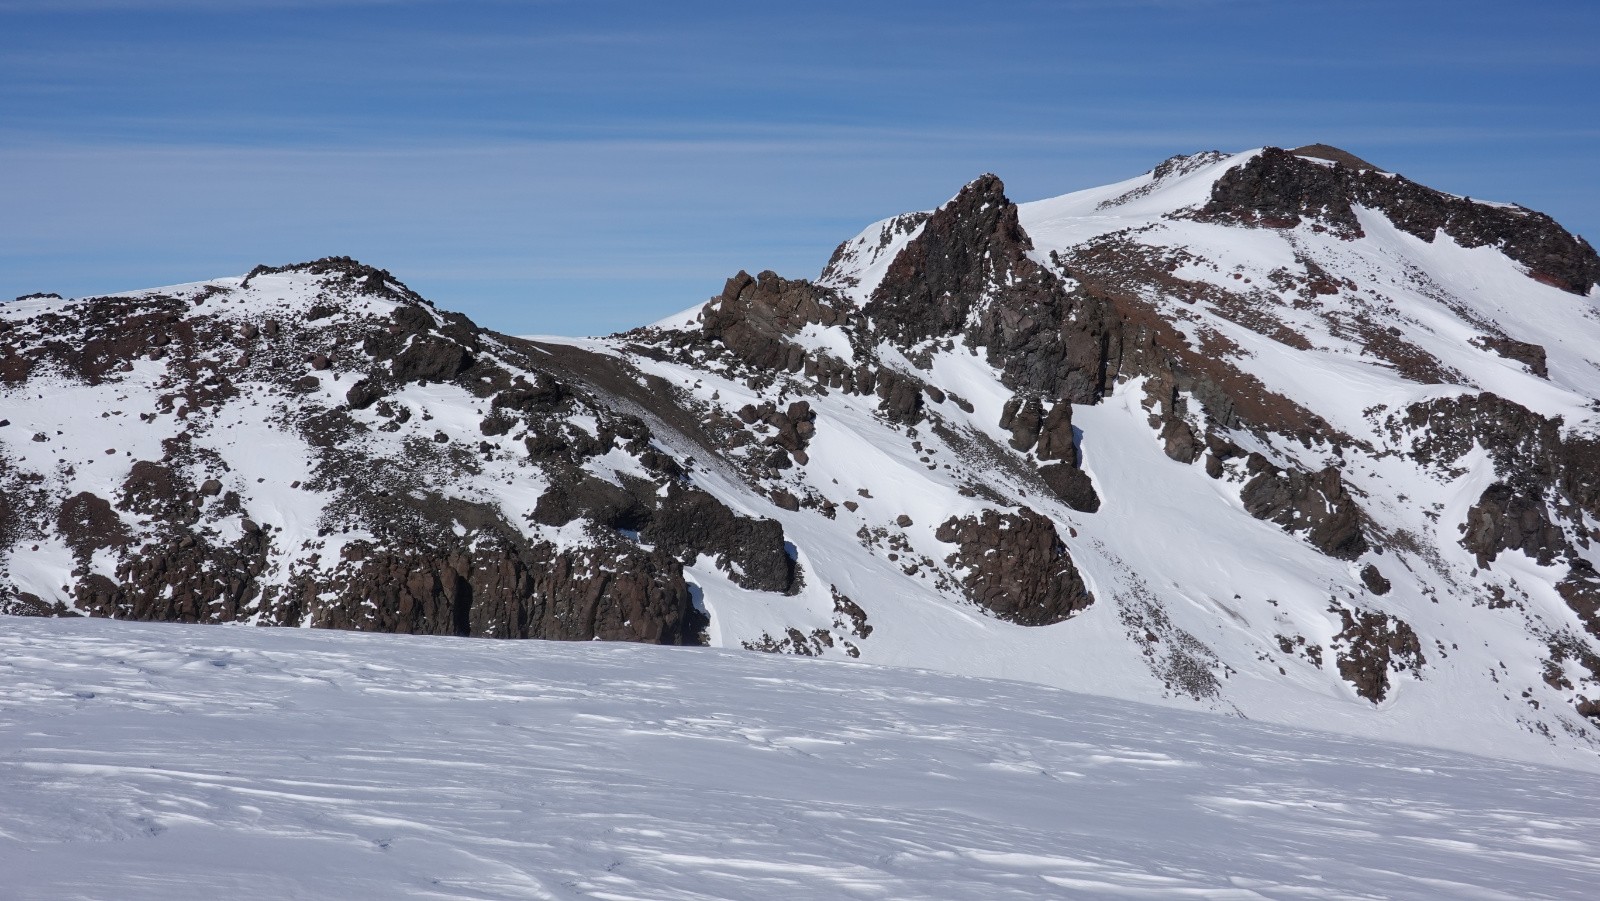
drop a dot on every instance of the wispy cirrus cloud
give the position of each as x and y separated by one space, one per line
624 155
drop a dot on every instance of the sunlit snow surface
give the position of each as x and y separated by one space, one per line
142 761
1169 542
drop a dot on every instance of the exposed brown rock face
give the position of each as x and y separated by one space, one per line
968 244
1279 189
1136 337
188 548
430 359
1072 486
1374 580
1547 480
1334 155
847 614
755 316
794 426
89 524
689 522
1371 646
1315 503
1518 439
189 577
179 567
1048 435
971 260
1017 567
1529 355
104 342
969 276
154 489
499 590
1178 441
1022 417
1504 519
683 523
349 274
1581 590
901 396
1057 439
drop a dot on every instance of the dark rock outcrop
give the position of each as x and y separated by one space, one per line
1016 566
1178 441
182 576
756 316
1371 646
187 548
1280 189
1334 155
1529 355
1519 440
848 615
1581 590
499 590
346 273
1057 438
1504 520
362 395
156 490
1048 436
1315 503
684 523
1374 580
1071 486
1546 479
689 522
88 524
968 274
607 460
970 243
901 396
430 358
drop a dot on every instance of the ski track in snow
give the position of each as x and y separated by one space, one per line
144 761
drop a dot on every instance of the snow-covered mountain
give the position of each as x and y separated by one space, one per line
1276 434
178 762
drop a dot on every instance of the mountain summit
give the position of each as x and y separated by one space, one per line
1276 433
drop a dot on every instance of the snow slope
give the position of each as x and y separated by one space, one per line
1197 603
1171 554
167 762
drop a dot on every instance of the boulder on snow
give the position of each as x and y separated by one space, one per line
1016 566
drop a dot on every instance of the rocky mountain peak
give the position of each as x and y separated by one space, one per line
968 252
1280 189
346 272
1334 155
1275 414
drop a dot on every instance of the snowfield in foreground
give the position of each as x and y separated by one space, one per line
160 761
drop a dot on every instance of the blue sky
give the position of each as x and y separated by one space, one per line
569 168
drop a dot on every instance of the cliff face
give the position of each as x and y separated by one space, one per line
1275 433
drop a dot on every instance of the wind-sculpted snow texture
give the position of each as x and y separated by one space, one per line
1275 434
181 762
